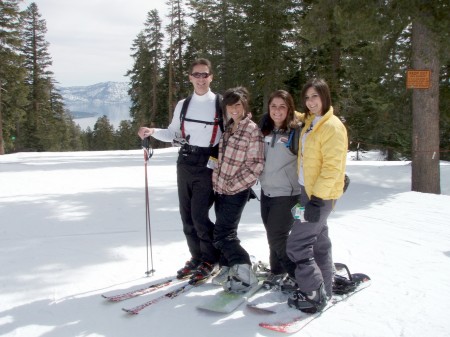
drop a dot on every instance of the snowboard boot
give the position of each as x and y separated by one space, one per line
221 277
310 303
241 278
189 268
203 272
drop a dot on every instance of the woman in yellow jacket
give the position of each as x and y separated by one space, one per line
321 164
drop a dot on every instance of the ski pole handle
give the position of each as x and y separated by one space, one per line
148 150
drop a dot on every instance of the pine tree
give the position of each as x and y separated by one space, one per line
375 49
87 139
249 42
126 138
154 36
146 73
103 135
12 90
37 62
140 77
176 61
214 21
65 135
269 67
47 125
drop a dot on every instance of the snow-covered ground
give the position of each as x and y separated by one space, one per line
72 227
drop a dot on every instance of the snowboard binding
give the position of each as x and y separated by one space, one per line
344 282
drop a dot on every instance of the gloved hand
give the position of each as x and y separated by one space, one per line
312 209
346 182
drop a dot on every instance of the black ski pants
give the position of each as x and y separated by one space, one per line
228 214
196 196
278 220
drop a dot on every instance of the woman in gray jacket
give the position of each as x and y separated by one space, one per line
280 190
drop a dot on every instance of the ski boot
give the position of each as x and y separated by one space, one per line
189 268
203 272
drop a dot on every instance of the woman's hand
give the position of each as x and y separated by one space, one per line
312 209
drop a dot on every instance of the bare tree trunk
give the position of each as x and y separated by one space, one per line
154 91
425 109
2 145
335 58
169 98
180 51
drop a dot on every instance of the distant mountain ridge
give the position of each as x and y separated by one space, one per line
100 93
87 103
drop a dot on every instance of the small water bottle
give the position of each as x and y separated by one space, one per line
298 212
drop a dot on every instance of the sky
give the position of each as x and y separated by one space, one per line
90 40
72 227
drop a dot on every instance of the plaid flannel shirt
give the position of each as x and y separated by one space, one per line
241 158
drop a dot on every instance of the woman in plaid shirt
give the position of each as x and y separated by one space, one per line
240 162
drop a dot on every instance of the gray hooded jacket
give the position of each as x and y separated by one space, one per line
279 177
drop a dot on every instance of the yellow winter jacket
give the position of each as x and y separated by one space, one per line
324 156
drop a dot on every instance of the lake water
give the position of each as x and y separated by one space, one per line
86 115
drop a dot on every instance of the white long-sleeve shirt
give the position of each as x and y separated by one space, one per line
201 108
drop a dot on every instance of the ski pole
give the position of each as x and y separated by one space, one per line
148 153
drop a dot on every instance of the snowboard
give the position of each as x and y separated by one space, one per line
226 302
270 301
290 320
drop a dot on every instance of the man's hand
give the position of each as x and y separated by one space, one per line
145 132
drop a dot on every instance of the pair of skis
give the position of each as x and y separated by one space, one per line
185 287
141 291
222 302
233 300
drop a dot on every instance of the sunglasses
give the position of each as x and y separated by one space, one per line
200 75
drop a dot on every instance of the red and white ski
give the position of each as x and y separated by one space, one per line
142 291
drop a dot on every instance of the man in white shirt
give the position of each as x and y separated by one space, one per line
197 129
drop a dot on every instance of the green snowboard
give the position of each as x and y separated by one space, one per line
226 302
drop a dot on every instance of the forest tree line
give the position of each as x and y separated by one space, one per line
362 49
33 116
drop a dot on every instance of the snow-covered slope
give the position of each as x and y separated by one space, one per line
72 226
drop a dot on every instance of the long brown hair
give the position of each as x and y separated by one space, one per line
322 89
267 124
